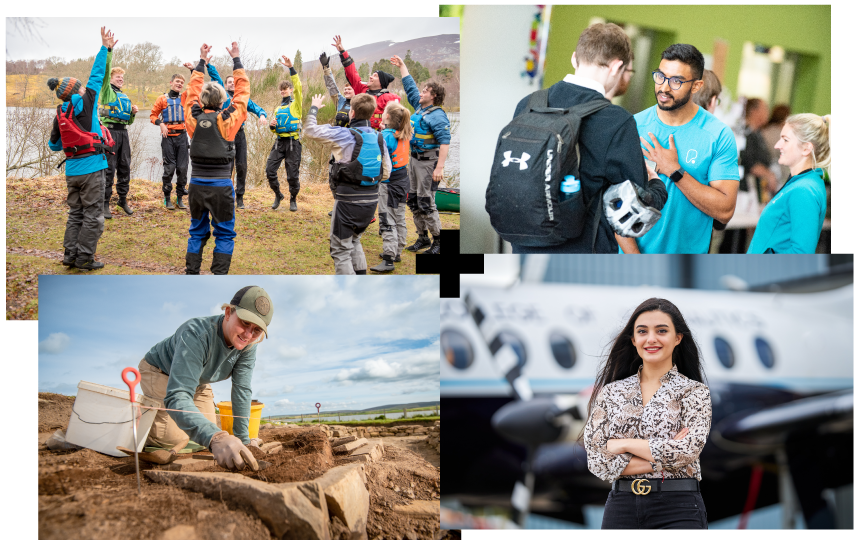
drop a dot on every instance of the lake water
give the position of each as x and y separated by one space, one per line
390 414
151 166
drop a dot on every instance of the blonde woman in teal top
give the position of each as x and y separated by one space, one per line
792 221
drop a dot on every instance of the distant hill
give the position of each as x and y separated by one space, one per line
404 406
393 407
441 49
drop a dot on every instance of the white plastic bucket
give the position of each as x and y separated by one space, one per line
101 419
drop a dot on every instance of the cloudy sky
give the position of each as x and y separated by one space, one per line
347 343
267 37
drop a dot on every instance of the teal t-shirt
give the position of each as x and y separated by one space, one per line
707 151
792 221
197 354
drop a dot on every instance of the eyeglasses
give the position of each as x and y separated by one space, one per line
674 82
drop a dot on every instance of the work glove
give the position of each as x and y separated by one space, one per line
324 59
256 442
229 452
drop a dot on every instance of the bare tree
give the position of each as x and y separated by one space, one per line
26 27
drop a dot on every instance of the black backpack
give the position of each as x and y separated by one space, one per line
533 154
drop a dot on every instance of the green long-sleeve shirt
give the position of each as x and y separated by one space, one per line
108 95
197 354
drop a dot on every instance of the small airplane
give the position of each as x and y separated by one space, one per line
519 360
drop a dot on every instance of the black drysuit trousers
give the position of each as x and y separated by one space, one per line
288 150
175 152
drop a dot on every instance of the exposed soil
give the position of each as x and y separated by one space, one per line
306 455
401 476
84 494
55 410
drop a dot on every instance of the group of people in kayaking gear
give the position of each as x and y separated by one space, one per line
380 154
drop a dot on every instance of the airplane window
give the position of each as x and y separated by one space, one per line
725 352
563 350
765 352
457 349
517 346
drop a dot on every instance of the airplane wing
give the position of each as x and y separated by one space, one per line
770 426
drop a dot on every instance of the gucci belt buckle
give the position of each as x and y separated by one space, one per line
638 487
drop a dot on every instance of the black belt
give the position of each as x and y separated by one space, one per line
116 126
417 155
642 487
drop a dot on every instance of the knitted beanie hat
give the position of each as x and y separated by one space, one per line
65 87
384 79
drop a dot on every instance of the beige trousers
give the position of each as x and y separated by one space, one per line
164 431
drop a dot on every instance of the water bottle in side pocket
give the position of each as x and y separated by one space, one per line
569 187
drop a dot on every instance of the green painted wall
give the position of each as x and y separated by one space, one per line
801 29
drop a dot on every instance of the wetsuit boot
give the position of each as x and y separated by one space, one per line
69 258
167 202
436 246
384 266
179 203
88 264
277 198
421 242
107 214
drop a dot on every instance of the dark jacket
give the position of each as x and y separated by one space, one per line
610 154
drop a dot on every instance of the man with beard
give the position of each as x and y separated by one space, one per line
694 154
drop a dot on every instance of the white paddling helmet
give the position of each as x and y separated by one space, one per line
627 215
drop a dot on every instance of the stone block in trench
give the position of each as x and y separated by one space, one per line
347 497
422 509
290 510
189 464
348 448
371 452
343 440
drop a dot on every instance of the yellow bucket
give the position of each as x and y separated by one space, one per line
225 408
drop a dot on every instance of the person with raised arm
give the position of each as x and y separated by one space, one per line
78 132
430 144
212 130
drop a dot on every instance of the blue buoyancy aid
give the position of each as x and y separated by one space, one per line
365 168
174 112
423 138
119 109
287 123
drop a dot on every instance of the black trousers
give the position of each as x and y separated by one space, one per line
175 152
656 510
240 163
288 150
119 164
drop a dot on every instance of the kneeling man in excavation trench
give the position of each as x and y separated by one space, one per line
178 371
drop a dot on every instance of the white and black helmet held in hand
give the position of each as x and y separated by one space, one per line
626 212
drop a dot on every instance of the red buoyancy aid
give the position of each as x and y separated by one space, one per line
76 141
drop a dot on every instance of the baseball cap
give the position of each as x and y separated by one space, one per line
254 305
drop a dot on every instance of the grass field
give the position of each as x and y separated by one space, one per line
153 240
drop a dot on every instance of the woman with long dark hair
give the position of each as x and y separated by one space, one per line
649 417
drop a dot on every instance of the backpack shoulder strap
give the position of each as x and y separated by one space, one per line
358 143
597 219
538 99
583 110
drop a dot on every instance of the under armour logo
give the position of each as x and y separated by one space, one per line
507 155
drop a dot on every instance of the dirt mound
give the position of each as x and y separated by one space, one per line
55 410
306 455
399 478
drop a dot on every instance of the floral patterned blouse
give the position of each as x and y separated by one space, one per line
619 413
